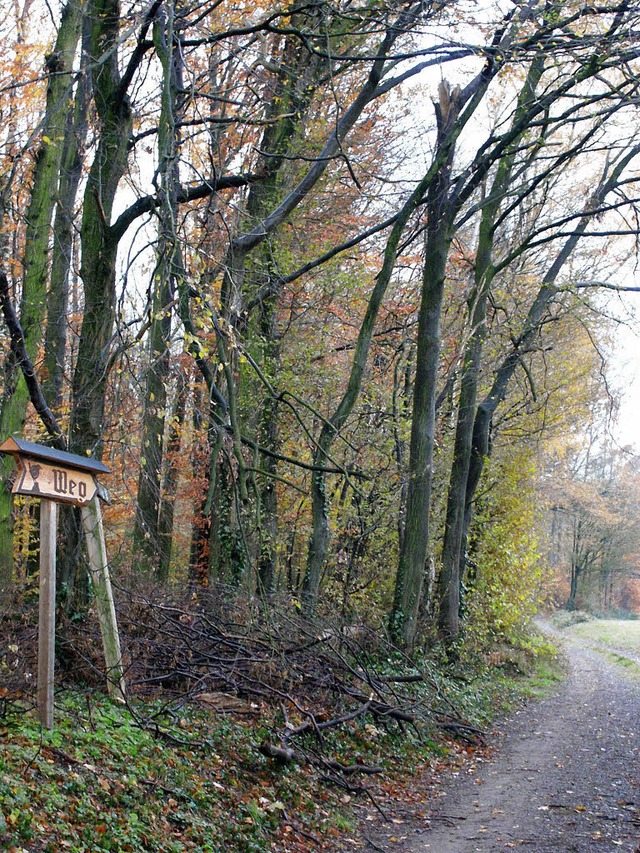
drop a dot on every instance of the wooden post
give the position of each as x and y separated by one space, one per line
97 550
47 614
55 475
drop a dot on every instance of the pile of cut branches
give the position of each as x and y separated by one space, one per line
301 681
237 656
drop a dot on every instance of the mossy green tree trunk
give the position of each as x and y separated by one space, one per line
440 213
63 237
251 279
484 272
99 239
36 259
148 540
170 480
411 565
98 243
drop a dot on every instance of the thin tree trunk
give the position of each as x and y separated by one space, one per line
450 578
55 346
146 531
481 438
401 388
268 501
168 496
412 561
104 602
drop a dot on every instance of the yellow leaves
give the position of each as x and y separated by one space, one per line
509 584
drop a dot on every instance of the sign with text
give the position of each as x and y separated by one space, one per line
40 479
58 476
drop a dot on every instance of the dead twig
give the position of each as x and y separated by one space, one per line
349 769
281 754
372 843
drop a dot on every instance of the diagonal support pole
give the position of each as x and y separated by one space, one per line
97 550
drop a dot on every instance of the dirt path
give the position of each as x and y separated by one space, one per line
565 777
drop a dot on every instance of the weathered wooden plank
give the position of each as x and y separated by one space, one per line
41 480
47 612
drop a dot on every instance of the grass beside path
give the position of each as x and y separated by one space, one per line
623 635
617 639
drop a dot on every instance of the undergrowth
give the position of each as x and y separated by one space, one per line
183 766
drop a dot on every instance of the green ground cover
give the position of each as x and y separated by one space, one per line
172 776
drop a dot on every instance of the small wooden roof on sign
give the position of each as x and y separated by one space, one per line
19 447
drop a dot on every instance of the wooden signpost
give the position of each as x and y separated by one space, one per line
56 476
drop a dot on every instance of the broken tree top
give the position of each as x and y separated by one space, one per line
49 473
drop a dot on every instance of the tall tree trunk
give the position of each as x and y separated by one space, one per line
146 534
412 560
99 243
36 254
146 539
453 556
168 496
268 498
401 391
205 462
247 276
450 578
576 567
481 437
55 346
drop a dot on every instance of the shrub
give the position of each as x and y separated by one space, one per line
507 581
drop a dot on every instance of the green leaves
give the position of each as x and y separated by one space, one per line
101 782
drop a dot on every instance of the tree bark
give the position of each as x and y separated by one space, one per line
411 564
36 255
412 559
453 556
167 504
146 535
98 245
55 346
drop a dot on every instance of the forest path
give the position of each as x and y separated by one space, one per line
565 777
